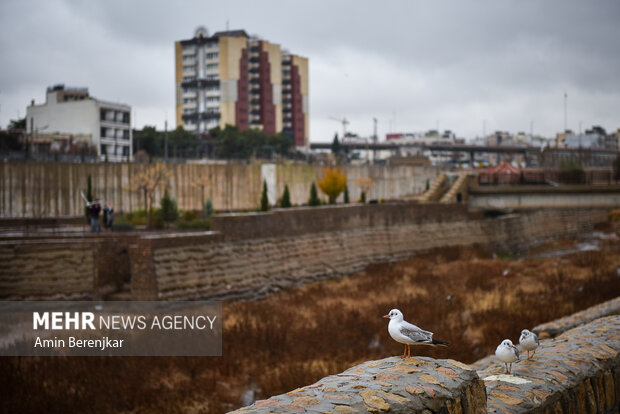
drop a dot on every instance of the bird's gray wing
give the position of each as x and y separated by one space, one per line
536 338
516 352
416 334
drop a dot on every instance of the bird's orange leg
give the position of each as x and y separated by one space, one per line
408 351
404 351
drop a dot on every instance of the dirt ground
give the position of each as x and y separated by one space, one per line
468 296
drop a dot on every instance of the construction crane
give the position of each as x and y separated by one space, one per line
344 123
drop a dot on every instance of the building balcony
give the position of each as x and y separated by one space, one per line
200 83
201 116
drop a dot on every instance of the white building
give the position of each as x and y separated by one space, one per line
71 111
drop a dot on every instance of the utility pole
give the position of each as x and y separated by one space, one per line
166 141
375 138
565 111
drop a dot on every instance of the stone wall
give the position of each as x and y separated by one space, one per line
256 254
421 385
46 270
53 189
47 267
266 260
576 372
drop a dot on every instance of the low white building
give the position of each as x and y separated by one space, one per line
71 111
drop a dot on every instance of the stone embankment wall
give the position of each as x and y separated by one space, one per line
54 268
421 385
50 270
257 254
576 372
53 189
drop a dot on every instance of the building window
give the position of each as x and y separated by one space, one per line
187 111
212 55
102 132
102 115
126 117
212 77
188 78
212 66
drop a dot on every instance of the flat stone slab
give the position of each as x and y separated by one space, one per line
393 384
576 372
556 327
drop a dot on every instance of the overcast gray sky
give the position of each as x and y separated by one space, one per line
413 65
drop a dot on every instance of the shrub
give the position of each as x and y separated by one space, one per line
346 194
158 219
616 166
286 198
314 198
169 208
333 183
363 197
122 226
189 216
264 200
572 172
196 224
207 210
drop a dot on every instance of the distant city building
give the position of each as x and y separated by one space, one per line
70 118
595 138
231 78
431 137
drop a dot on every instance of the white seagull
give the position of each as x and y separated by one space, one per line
529 342
408 334
507 353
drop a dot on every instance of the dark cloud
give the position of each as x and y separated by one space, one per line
412 65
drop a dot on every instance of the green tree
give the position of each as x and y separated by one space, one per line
314 197
286 198
264 200
169 209
336 145
149 140
333 183
363 197
346 194
17 124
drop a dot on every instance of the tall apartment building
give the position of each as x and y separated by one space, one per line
102 126
233 78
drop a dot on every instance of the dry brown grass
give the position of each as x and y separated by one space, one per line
300 335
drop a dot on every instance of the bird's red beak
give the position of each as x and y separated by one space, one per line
386 316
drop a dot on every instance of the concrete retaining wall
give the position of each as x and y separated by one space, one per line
53 189
508 197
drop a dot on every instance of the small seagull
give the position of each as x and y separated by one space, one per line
507 353
529 342
405 333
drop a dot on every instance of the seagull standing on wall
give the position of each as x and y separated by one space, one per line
529 342
507 353
405 333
